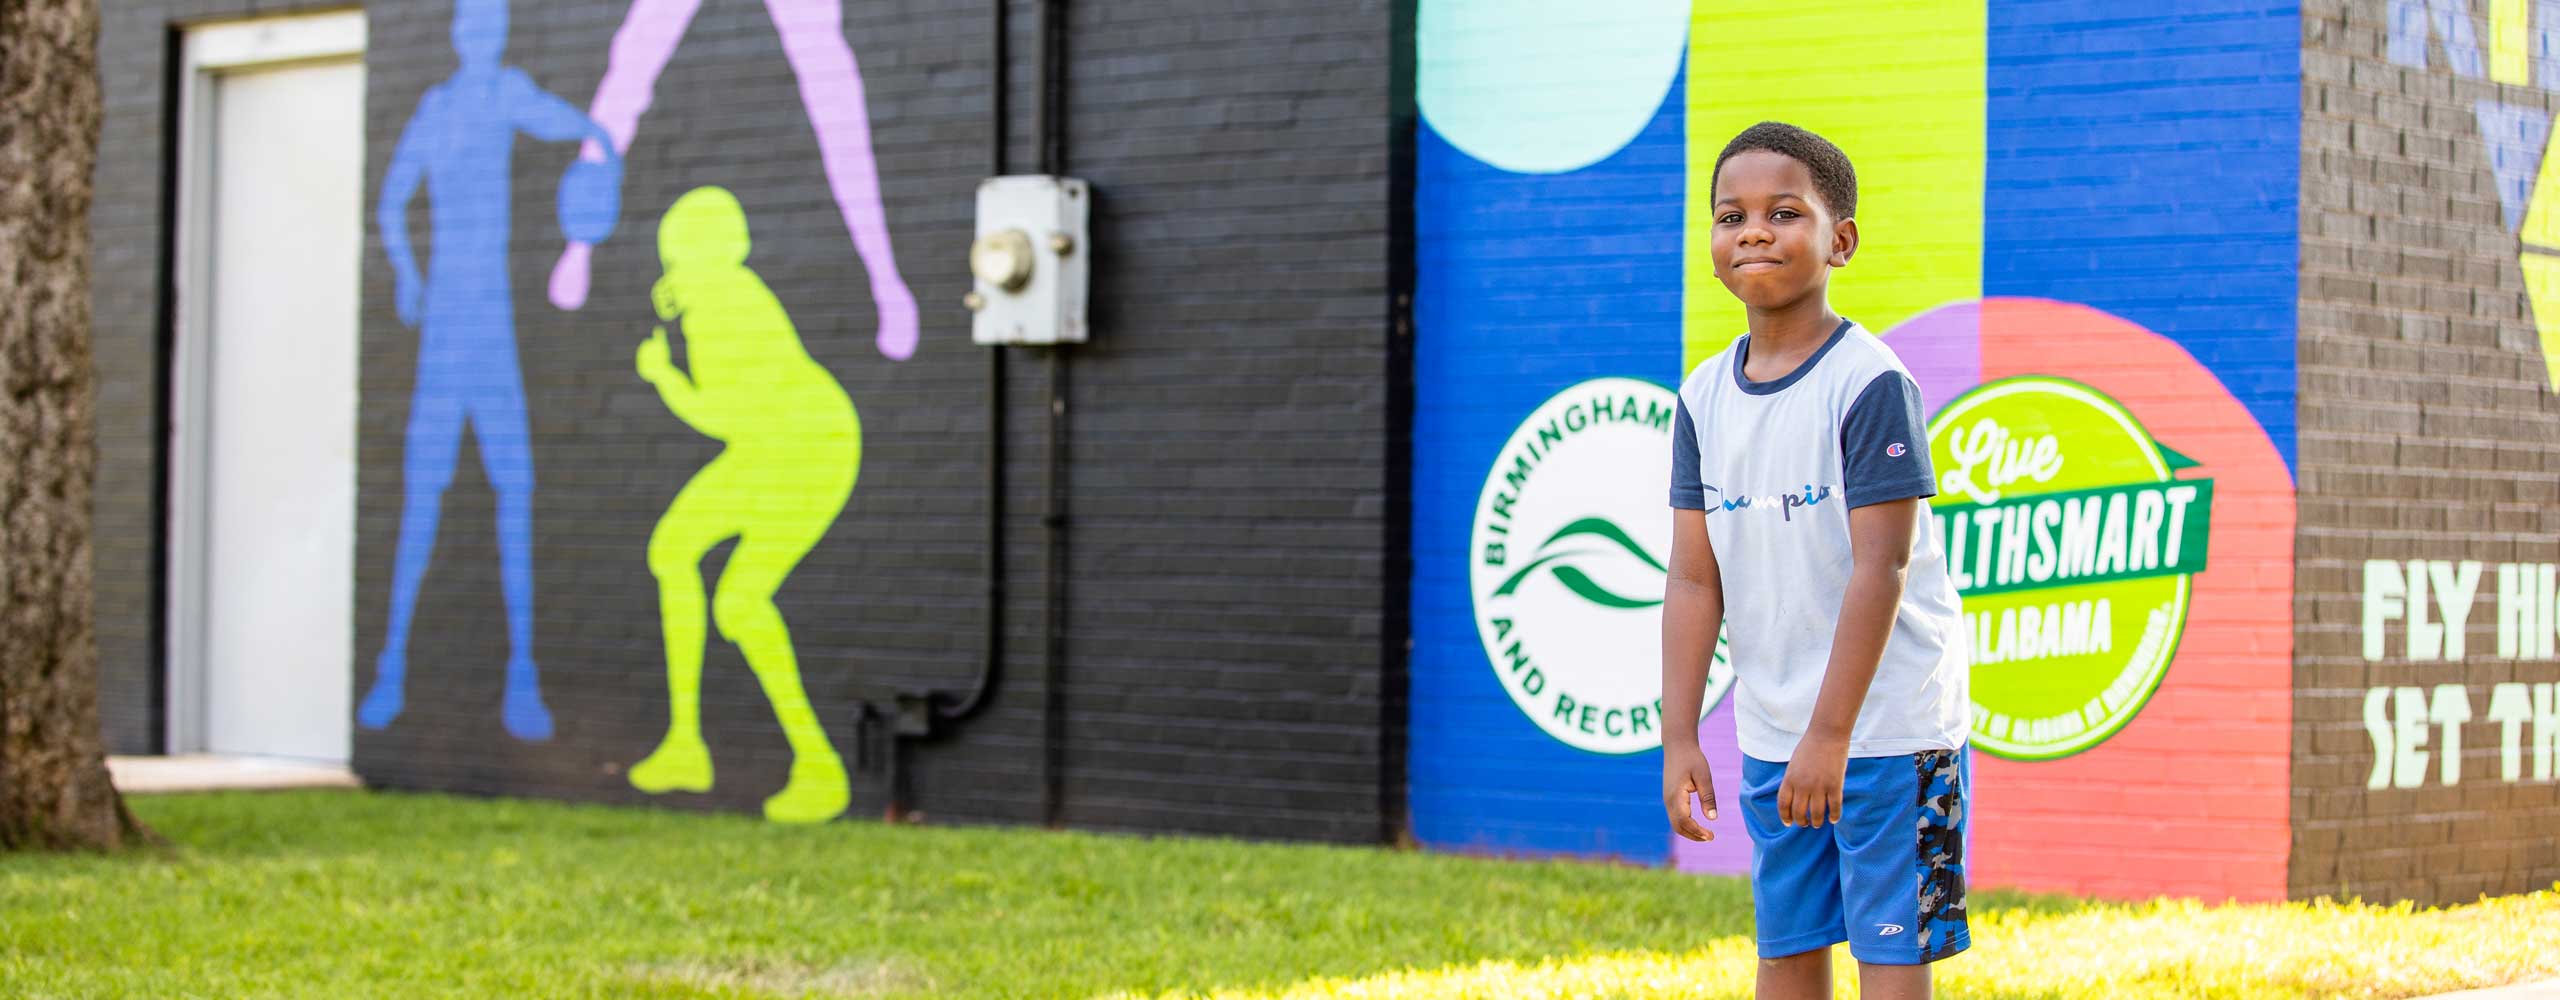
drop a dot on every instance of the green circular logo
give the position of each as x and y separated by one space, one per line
1566 565
2072 541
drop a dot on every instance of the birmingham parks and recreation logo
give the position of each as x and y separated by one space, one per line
2072 542
1566 564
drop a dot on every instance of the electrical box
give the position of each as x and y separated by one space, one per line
1030 261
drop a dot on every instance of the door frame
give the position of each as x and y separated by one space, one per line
206 50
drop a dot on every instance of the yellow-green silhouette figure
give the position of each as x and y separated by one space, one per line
793 446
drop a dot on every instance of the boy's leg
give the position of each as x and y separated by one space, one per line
1892 982
1795 891
1901 837
1805 975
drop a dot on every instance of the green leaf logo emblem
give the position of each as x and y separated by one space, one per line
1557 555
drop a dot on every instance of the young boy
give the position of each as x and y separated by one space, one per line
1799 467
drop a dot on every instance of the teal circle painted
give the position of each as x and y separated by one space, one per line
1545 86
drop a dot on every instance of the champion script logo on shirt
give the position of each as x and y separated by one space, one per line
1786 503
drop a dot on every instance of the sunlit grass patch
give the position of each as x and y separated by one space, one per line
354 894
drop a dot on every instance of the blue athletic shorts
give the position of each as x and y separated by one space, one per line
1888 879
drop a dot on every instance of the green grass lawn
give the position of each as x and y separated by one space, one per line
351 894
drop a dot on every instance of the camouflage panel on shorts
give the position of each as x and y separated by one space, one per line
1941 857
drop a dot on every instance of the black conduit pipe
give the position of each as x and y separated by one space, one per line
933 714
1053 520
927 715
991 666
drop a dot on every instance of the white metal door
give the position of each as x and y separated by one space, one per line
282 184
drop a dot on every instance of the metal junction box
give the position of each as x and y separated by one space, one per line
1029 260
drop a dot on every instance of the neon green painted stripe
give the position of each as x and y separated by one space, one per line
1899 86
2509 42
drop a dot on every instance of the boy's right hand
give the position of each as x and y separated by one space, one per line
1684 773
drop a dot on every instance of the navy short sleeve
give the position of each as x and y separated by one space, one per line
1687 491
1884 445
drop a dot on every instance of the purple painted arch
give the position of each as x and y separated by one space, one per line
1943 349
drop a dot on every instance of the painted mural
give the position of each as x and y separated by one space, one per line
830 89
2106 354
2522 49
458 146
2429 636
2418 610
793 446
1548 257
725 360
1567 544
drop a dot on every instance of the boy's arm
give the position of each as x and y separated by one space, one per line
1884 477
1692 614
1880 550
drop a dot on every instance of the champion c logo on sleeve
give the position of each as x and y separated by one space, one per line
1895 450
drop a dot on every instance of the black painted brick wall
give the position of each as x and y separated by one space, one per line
1228 484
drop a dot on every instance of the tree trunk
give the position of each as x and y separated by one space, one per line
54 790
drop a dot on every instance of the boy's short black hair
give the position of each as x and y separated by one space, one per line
1833 178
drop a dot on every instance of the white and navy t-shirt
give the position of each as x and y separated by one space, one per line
1777 465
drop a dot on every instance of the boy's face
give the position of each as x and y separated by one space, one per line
1775 241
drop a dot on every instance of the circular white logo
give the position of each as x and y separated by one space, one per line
1567 565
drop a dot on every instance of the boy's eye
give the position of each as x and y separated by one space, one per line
1729 219
1783 213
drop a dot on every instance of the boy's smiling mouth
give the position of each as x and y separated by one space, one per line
1745 265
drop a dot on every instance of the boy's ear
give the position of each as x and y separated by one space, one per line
1844 241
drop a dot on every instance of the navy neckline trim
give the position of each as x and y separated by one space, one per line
1742 354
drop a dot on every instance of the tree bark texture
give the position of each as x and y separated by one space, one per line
54 789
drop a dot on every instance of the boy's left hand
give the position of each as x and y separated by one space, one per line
1810 795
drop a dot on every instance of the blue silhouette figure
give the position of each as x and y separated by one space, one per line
459 143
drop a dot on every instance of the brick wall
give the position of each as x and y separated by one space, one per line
1224 669
2071 190
1231 419
135 55
125 228
2428 424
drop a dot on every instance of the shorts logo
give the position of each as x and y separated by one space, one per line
1895 450
1888 930
1567 567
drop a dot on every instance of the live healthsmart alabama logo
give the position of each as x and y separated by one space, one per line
1567 566
2072 542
